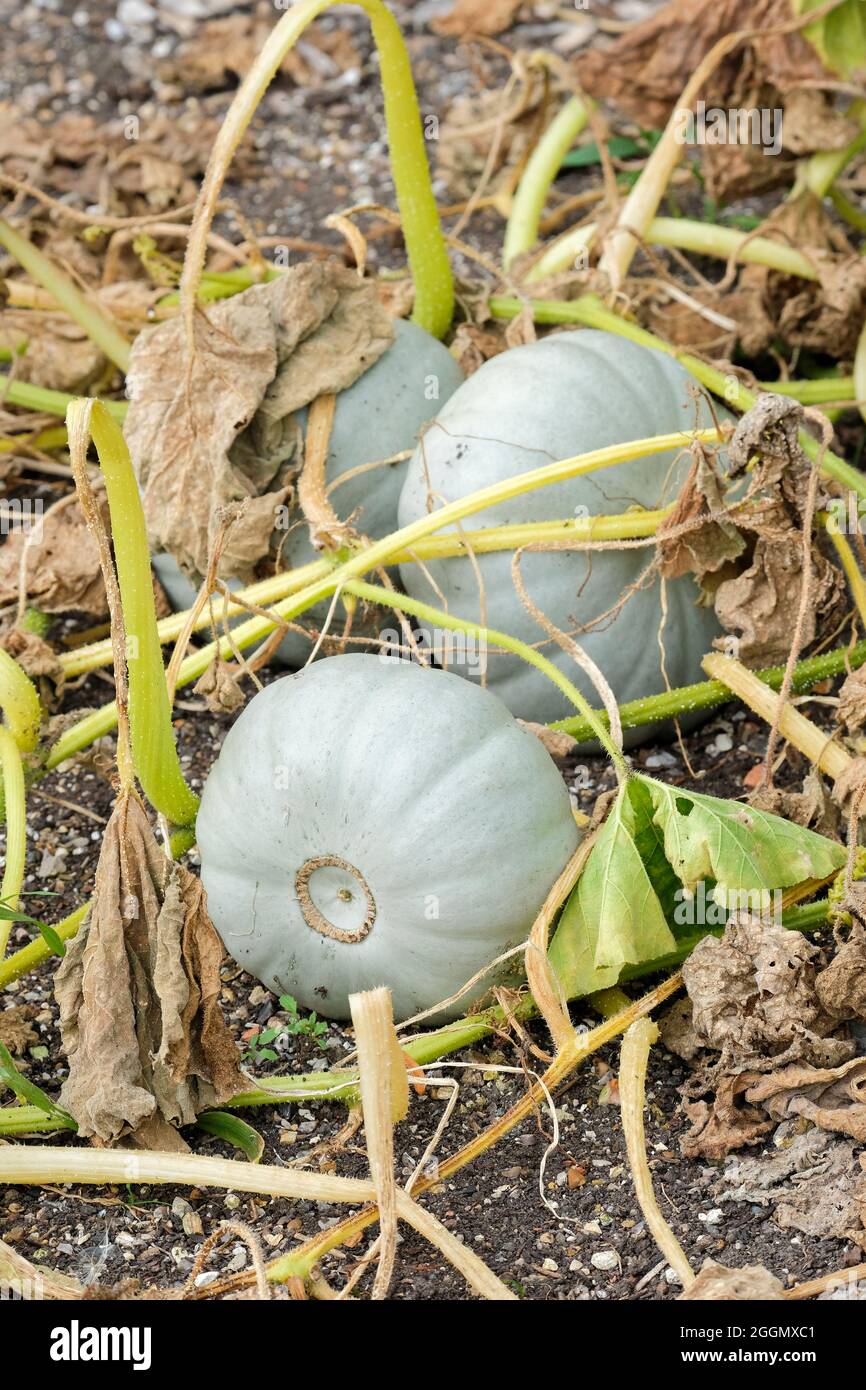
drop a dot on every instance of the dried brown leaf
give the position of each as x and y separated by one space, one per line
761 604
62 566
716 1282
812 123
222 50
754 999
220 688
138 993
222 429
58 354
851 710
474 346
645 70
725 1122
478 17
16 1030
841 988
812 1181
834 1098
708 545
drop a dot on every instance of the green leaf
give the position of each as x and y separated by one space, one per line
289 1004
613 917
28 1093
840 37
234 1131
736 845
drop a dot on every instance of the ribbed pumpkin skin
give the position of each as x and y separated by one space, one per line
563 396
380 415
455 816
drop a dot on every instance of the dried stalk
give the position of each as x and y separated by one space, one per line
384 1100
794 726
634 1058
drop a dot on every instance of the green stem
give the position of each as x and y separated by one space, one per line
592 313
701 237
45 401
621 526
153 747
93 322
19 702
16 829
847 210
425 244
710 694
821 170
860 372
374 593
431 1047
541 169
380 553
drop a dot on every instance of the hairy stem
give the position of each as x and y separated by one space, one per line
710 694
153 747
19 703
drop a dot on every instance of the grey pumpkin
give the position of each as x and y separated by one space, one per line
562 396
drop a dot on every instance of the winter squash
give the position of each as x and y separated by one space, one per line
380 415
561 396
371 821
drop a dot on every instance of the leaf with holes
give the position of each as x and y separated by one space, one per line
738 846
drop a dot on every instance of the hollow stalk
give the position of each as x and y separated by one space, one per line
16 829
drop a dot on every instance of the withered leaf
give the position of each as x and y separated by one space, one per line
220 688
557 742
812 1181
16 1030
717 1282
760 605
754 999
645 70
58 354
62 563
851 709
707 545
221 428
725 1122
813 123
833 1098
478 17
841 988
138 993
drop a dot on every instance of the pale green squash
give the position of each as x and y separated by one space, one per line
564 395
370 821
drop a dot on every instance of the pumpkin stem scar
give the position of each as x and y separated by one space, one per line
313 915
